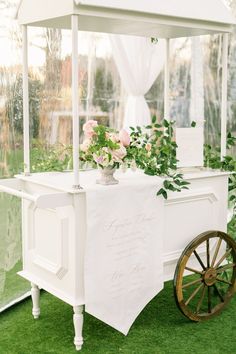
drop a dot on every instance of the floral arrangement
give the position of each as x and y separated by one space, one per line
104 146
151 148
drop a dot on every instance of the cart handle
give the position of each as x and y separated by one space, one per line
43 201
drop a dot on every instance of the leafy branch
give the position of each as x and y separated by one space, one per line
153 149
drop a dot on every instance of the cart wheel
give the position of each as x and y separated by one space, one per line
210 262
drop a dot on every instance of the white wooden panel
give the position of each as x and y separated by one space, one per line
46 231
189 217
34 10
53 249
130 17
212 10
48 240
202 208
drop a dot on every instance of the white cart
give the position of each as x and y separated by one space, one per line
53 204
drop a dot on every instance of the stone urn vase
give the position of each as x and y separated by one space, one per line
107 176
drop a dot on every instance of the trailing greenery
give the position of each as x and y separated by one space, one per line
156 154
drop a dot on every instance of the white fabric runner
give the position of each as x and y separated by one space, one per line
123 262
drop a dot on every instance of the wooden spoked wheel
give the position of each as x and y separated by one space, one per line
205 276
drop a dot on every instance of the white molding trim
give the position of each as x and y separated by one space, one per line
51 289
175 255
45 264
30 226
59 269
192 196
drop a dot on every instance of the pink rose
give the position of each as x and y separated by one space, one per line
148 147
114 138
119 154
124 137
88 128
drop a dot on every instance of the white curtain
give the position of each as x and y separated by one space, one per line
197 83
139 61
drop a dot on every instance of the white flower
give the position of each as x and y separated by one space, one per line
124 167
133 166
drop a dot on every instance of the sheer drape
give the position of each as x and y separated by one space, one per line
139 61
197 82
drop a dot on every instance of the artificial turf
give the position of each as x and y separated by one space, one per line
160 329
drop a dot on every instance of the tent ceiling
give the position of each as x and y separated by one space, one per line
163 19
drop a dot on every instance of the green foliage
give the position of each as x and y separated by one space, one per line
232 227
154 150
52 158
103 90
154 40
15 105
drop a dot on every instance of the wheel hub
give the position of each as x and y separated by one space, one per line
209 277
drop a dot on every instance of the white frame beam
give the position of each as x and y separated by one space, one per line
75 100
26 125
224 97
167 82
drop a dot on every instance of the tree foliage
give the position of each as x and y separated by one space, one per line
103 90
14 105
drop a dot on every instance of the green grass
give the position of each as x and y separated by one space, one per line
14 161
160 329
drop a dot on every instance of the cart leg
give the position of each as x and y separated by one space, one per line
78 319
35 294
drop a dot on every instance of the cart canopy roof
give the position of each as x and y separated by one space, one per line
157 18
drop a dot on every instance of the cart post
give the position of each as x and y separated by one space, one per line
224 95
75 100
25 79
167 82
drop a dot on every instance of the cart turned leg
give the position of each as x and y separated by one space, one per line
35 294
78 319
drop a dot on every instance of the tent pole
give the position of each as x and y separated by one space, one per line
224 95
167 82
75 100
26 132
